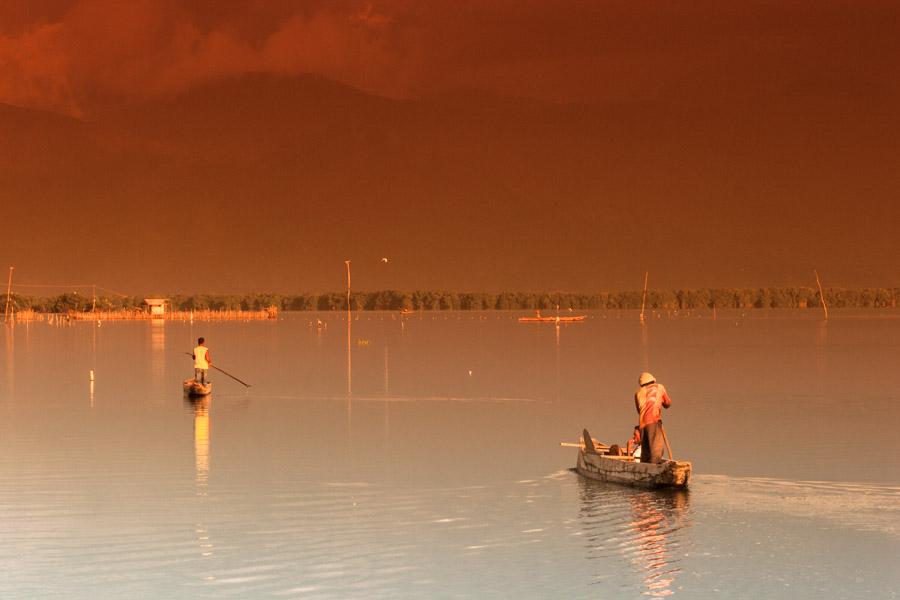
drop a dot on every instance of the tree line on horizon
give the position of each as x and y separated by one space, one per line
770 297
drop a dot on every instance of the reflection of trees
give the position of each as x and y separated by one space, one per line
642 526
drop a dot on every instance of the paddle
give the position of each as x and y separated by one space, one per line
223 372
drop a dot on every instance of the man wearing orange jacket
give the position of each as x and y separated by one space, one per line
649 400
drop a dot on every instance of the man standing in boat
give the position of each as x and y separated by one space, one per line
202 361
648 400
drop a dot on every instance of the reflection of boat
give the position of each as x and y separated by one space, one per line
537 318
195 388
595 462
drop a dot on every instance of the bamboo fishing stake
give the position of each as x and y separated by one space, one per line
644 298
347 262
821 294
8 292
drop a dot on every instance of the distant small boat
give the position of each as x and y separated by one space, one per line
595 463
194 388
537 318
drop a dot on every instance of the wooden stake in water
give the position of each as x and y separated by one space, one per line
8 292
644 298
347 262
821 294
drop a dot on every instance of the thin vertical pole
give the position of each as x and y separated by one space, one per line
94 298
349 334
821 294
644 298
8 292
347 262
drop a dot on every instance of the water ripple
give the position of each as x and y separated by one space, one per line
865 507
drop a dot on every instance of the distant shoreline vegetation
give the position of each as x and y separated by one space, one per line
743 298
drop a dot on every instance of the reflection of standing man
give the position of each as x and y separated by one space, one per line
201 438
202 361
648 400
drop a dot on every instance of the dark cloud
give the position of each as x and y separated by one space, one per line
59 54
145 48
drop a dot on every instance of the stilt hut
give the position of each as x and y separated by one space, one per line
156 307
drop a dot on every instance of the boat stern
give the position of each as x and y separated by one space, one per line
675 474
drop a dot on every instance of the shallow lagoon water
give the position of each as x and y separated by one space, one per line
419 457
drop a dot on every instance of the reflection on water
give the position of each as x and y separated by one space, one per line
200 409
9 332
349 359
451 482
656 515
643 527
556 386
387 376
821 356
201 440
158 351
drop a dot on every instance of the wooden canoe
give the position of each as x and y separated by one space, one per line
552 319
594 463
194 388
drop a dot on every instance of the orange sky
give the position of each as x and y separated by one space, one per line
480 145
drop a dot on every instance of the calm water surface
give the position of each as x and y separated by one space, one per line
420 458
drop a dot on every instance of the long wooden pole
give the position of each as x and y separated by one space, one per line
644 298
224 372
347 262
666 440
244 383
821 294
8 293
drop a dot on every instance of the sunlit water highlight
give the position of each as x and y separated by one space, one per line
431 467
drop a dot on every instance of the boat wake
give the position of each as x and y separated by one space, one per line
861 506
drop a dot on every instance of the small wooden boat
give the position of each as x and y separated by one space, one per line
595 462
194 388
537 318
